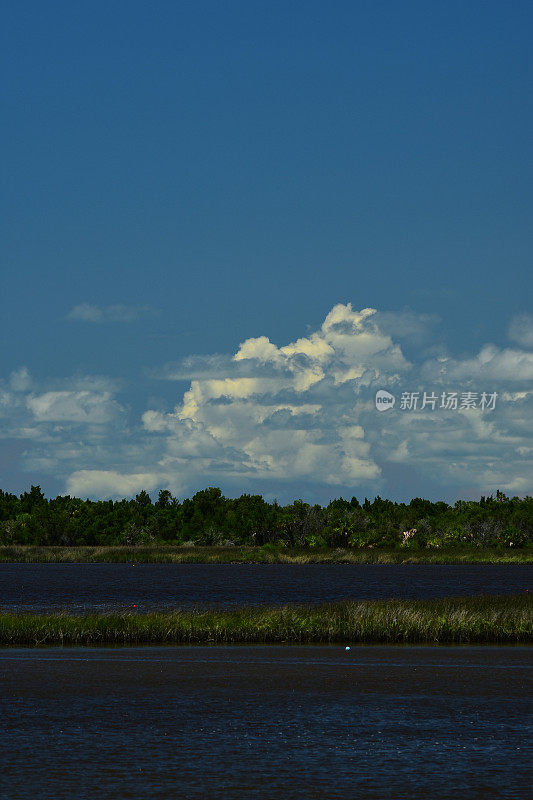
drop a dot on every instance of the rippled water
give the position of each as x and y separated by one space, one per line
78 587
266 722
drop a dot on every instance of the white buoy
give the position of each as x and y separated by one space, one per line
347 648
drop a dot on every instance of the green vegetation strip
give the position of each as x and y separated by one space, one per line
169 554
502 619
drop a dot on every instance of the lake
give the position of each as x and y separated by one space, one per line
108 587
266 722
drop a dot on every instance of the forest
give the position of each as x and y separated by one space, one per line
210 519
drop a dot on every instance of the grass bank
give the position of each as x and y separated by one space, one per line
170 554
443 621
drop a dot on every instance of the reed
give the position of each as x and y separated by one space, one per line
171 554
484 619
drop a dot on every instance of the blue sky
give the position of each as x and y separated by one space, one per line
181 179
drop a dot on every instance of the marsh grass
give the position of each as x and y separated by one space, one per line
483 619
170 554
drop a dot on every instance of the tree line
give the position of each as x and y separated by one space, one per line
209 518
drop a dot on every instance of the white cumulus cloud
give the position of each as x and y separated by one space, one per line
84 406
109 484
290 412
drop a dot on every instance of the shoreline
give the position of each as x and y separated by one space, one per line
174 554
452 620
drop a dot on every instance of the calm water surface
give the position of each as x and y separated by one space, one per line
78 587
271 723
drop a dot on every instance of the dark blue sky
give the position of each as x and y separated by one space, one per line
241 167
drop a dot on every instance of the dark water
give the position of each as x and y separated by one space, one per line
78 587
266 723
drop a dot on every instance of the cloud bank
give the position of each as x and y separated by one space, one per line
296 419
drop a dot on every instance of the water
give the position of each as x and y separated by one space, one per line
106 587
265 723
